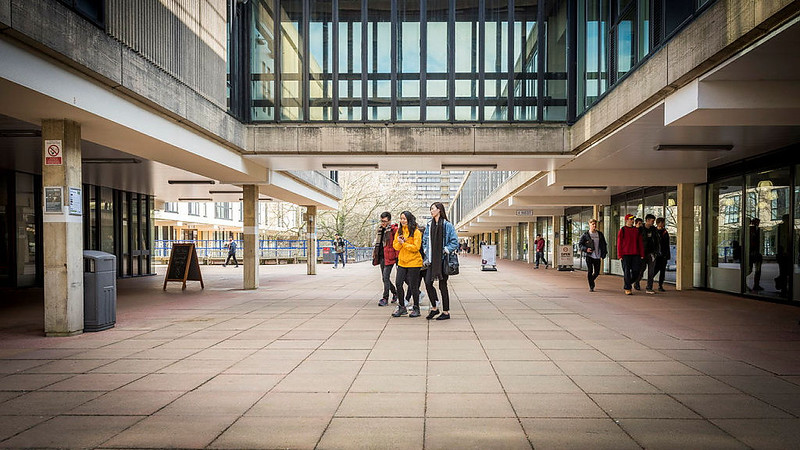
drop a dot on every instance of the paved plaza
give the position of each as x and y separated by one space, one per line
530 359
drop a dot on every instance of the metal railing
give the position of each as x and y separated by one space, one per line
210 251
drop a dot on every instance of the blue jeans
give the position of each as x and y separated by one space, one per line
338 257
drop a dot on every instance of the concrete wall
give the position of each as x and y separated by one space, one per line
317 181
725 28
409 139
194 94
5 14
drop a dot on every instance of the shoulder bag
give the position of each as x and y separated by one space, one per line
450 262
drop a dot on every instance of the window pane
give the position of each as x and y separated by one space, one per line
350 60
643 30
626 57
725 228
438 48
262 65
769 246
379 68
320 41
495 62
526 54
291 60
466 60
675 13
408 63
555 86
592 45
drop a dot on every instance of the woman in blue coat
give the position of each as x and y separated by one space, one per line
439 238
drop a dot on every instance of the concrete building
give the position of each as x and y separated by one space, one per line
680 106
430 186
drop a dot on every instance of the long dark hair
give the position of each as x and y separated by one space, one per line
412 223
440 207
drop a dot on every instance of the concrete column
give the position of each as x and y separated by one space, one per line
250 228
311 239
684 277
531 246
500 245
512 238
63 229
597 213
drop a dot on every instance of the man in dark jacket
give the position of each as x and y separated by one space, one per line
629 251
593 245
651 242
665 255
231 253
387 256
339 248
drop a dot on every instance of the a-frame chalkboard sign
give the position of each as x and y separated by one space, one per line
183 265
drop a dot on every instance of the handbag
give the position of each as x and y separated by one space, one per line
376 258
450 262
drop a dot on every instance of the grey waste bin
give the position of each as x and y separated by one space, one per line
99 290
328 255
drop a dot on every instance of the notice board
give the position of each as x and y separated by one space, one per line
183 265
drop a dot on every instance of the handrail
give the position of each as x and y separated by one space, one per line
294 250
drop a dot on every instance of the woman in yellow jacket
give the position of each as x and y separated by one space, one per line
407 241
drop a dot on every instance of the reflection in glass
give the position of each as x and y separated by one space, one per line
409 56
796 252
379 68
526 55
725 233
626 56
262 62
592 30
495 62
769 246
291 60
320 63
555 87
643 30
350 60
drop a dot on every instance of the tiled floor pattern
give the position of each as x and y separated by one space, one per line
530 359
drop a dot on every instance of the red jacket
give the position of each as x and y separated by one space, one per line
629 242
389 253
540 245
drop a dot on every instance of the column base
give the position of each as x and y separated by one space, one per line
63 333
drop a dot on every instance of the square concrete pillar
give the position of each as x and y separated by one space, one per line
252 258
311 239
62 227
531 246
684 276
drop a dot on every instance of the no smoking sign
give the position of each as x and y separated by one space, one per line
52 153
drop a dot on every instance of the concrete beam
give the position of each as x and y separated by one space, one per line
566 200
525 214
734 103
626 177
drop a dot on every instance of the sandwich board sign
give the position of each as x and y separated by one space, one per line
183 265
489 257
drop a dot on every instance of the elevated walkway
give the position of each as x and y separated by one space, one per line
530 359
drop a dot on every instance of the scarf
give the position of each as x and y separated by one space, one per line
437 244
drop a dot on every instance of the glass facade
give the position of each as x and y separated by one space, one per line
477 187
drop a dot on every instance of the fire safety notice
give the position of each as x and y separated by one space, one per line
52 153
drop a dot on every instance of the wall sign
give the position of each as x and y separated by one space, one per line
52 153
75 201
524 212
53 199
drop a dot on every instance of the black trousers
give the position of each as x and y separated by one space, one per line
432 291
411 276
592 270
422 273
630 269
647 264
661 270
228 259
386 276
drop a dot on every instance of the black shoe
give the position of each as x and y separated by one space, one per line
443 316
224 265
591 289
637 286
661 289
382 302
432 314
394 298
414 312
400 311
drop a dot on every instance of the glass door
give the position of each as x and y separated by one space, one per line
725 235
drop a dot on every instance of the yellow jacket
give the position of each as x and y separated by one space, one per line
409 251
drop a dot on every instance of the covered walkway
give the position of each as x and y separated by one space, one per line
531 359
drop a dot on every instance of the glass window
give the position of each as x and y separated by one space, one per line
438 45
350 94
409 56
768 247
466 60
796 252
592 74
526 55
654 204
495 61
107 220
291 60
626 43
262 62
643 29
675 14
320 61
555 85
725 233
379 65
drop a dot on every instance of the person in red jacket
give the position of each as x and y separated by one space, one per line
630 252
387 256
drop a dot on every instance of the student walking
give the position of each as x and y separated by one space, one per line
387 255
339 249
439 239
593 245
539 243
231 253
407 242
422 271
629 251
665 254
652 247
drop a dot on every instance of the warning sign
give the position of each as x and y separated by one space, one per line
52 153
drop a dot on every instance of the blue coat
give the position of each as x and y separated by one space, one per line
449 236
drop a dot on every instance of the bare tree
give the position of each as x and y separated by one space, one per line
365 195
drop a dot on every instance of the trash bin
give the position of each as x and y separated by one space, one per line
99 290
328 255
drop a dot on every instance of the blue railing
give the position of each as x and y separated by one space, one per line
210 251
